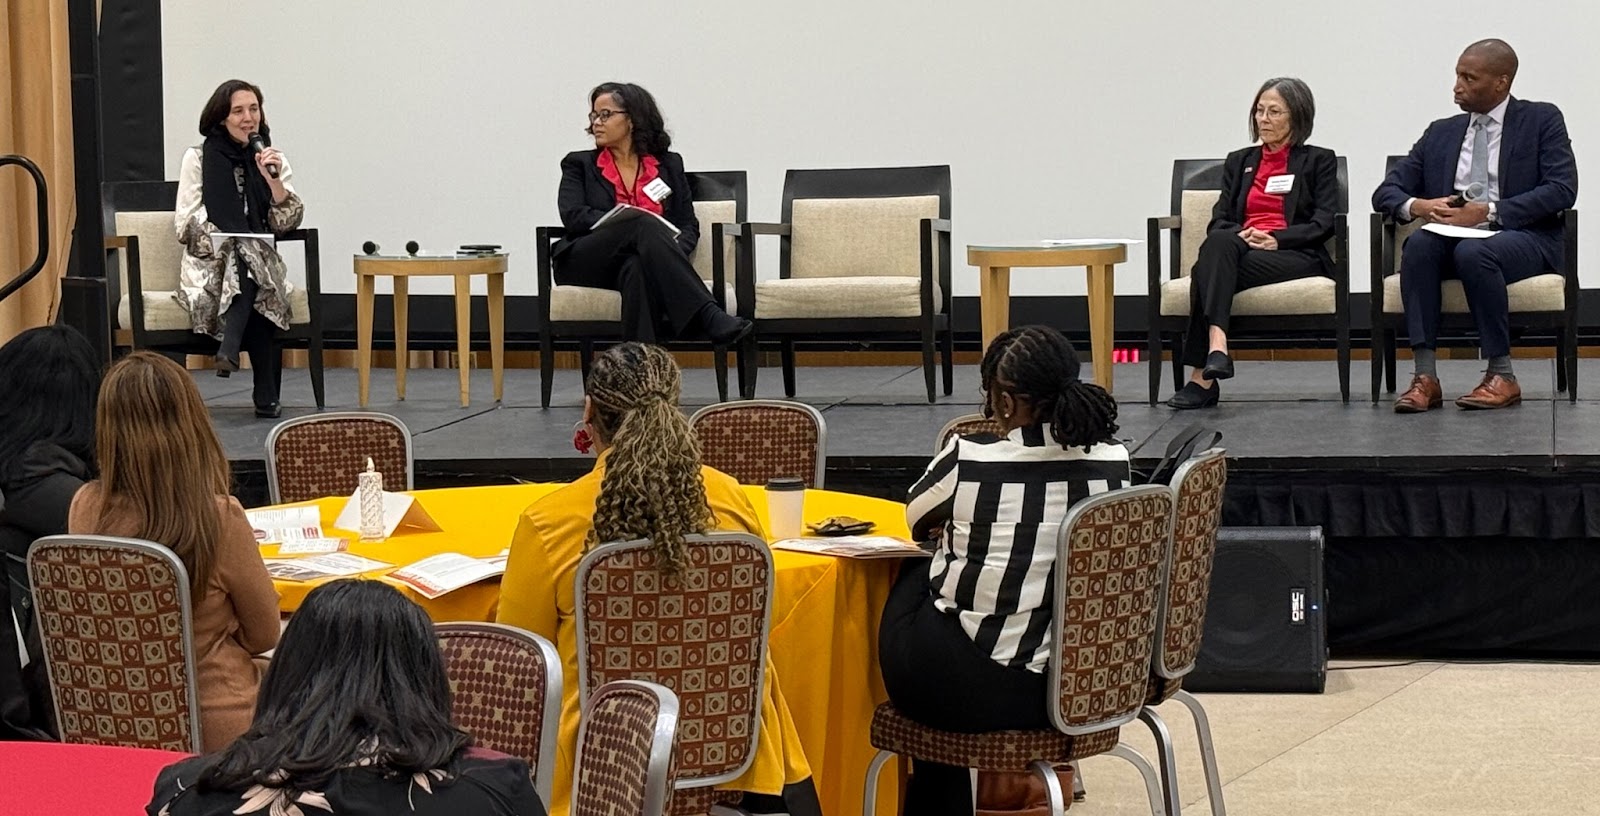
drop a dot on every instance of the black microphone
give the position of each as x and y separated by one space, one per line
256 146
369 247
412 247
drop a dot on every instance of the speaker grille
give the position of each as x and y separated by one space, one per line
1244 628
1264 627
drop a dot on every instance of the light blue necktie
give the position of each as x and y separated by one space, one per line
1478 173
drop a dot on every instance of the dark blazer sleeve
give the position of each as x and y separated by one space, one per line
1557 189
679 207
576 213
1222 214
1324 190
1404 180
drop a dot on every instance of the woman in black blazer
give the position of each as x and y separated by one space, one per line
1270 224
662 296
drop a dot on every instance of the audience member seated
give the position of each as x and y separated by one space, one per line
49 380
354 718
163 478
1505 164
663 298
1270 225
647 482
965 638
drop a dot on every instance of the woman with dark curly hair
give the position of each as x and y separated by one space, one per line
647 483
641 257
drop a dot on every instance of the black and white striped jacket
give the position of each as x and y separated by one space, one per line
1001 502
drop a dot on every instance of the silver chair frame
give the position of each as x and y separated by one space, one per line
789 405
279 429
544 772
657 792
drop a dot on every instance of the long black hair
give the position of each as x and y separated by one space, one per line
221 103
358 676
49 384
1037 364
650 137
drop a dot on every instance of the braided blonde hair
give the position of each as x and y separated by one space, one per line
652 486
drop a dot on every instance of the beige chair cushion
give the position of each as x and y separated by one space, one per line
1195 212
1401 233
586 303
1306 296
708 213
880 296
160 254
162 312
1541 293
858 237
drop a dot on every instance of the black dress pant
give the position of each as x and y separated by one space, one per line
937 676
663 298
244 328
1485 266
1227 266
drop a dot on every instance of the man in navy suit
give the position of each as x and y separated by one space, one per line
1504 165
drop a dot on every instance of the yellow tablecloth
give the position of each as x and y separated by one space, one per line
825 614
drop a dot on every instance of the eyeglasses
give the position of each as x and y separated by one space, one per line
604 115
1271 113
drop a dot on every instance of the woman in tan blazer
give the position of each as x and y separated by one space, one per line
163 478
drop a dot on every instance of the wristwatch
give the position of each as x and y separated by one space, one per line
1494 213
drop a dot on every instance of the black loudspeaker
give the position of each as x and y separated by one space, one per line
1266 626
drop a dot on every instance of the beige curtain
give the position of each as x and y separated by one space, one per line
35 122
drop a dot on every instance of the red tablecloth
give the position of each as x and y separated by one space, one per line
51 779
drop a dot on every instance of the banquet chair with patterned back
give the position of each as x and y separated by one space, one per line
114 614
1180 621
626 744
702 633
966 425
1105 604
505 690
755 441
320 455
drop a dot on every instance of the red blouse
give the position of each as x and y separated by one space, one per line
649 170
1264 210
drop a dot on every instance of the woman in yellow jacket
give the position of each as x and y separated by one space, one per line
647 483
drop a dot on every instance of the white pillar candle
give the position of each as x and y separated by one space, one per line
369 488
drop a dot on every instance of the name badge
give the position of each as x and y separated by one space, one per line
657 190
1278 185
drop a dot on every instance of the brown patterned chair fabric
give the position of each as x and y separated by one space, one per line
967 425
317 456
505 690
992 751
755 441
702 633
114 614
1111 548
1200 483
625 751
1114 546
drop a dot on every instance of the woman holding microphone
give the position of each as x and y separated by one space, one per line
237 182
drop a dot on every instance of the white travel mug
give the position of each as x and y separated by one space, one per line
786 505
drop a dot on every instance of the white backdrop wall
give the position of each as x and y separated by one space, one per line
445 122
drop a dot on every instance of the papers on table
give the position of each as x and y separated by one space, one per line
1072 242
1452 231
863 547
399 509
447 572
218 237
286 524
312 546
332 565
626 212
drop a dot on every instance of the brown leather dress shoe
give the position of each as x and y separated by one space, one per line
1495 391
1423 394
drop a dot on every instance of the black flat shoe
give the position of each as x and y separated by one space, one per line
225 365
272 411
1219 366
1191 395
728 330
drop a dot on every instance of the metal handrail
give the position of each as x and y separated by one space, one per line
44 225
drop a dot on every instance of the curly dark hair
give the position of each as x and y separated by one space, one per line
650 137
1037 364
221 101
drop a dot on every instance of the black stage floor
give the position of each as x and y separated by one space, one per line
1274 416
